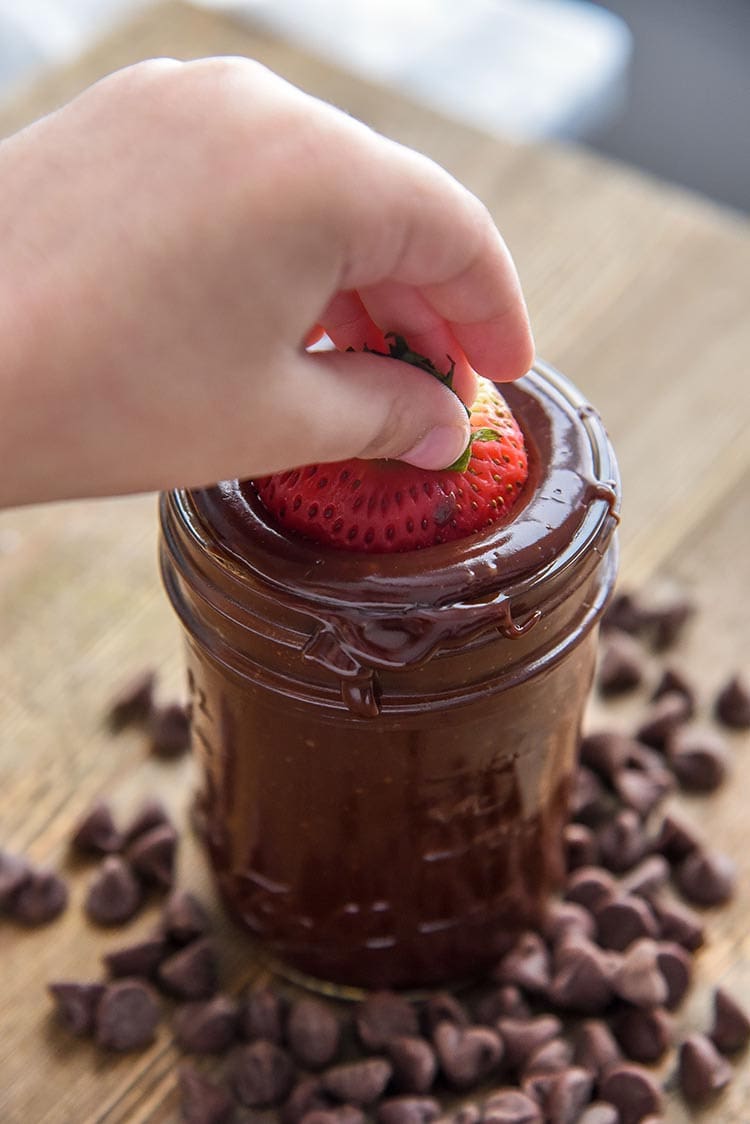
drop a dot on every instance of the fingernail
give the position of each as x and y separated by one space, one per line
438 448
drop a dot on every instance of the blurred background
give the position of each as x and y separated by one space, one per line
661 84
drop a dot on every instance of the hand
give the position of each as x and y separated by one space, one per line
173 238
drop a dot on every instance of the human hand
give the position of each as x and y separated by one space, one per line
174 237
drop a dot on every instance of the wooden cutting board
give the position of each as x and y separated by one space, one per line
638 291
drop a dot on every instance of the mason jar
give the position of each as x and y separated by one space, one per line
387 741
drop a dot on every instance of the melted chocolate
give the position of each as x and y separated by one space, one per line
387 740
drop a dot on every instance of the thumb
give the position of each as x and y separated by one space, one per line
337 405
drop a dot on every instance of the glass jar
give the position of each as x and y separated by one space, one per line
387 741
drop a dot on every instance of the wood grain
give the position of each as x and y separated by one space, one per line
636 290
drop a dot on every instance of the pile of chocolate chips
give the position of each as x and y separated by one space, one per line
563 1028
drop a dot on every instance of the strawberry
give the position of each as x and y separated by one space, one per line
387 506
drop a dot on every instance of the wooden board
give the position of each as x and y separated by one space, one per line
638 291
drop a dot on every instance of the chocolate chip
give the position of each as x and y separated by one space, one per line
522 1037
599 1113
15 872
583 977
595 1047
261 1074
206 1027
676 966
676 839
624 612
127 1016
96 832
313 1033
642 790
590 886
638 979
680 924
467 1113
202 1101
589 802
633 1091
191 973
706 878
527 965
731 1027
40 899
567 1095
75 1005
621 842
384 1015
666 618
566 917
150 814
443 1007
621 663
114 894
169 731
307 1096
702 1070
647 878
581 847
501 1002
510 1106
183 918
408 1110
262 1015
644 1034
663 718
360 1083
674 681
624 920
152 855
467 1054
699 758
133 702
608 751
732 705
338 1114
414 1064
140 959
553 1056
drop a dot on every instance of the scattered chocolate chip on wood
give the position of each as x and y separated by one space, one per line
206 1026
732 706
680 924
553 1056
527 965
150 813
467 1055
581 846
563 917
621 663
633 1091
169 731
191 973
511 1106
663 718
153 854
384 1015
676 966
731 1026
582 982
408 1110
674 680
15 872
645 1034
76 1004
336 1114
638 979
590 887
647 878
359 1083
261 1074
414 1064
442 1007
133 702
96 832
621 843
502 1002
567 1095
702 1070
202 1101
114 894
522 1037
262 1015
139 959
40 899
706 878
313 1033
698 757
183 918
307 1095
127 1016
624 920
596 1048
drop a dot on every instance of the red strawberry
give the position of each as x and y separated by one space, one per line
388 505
